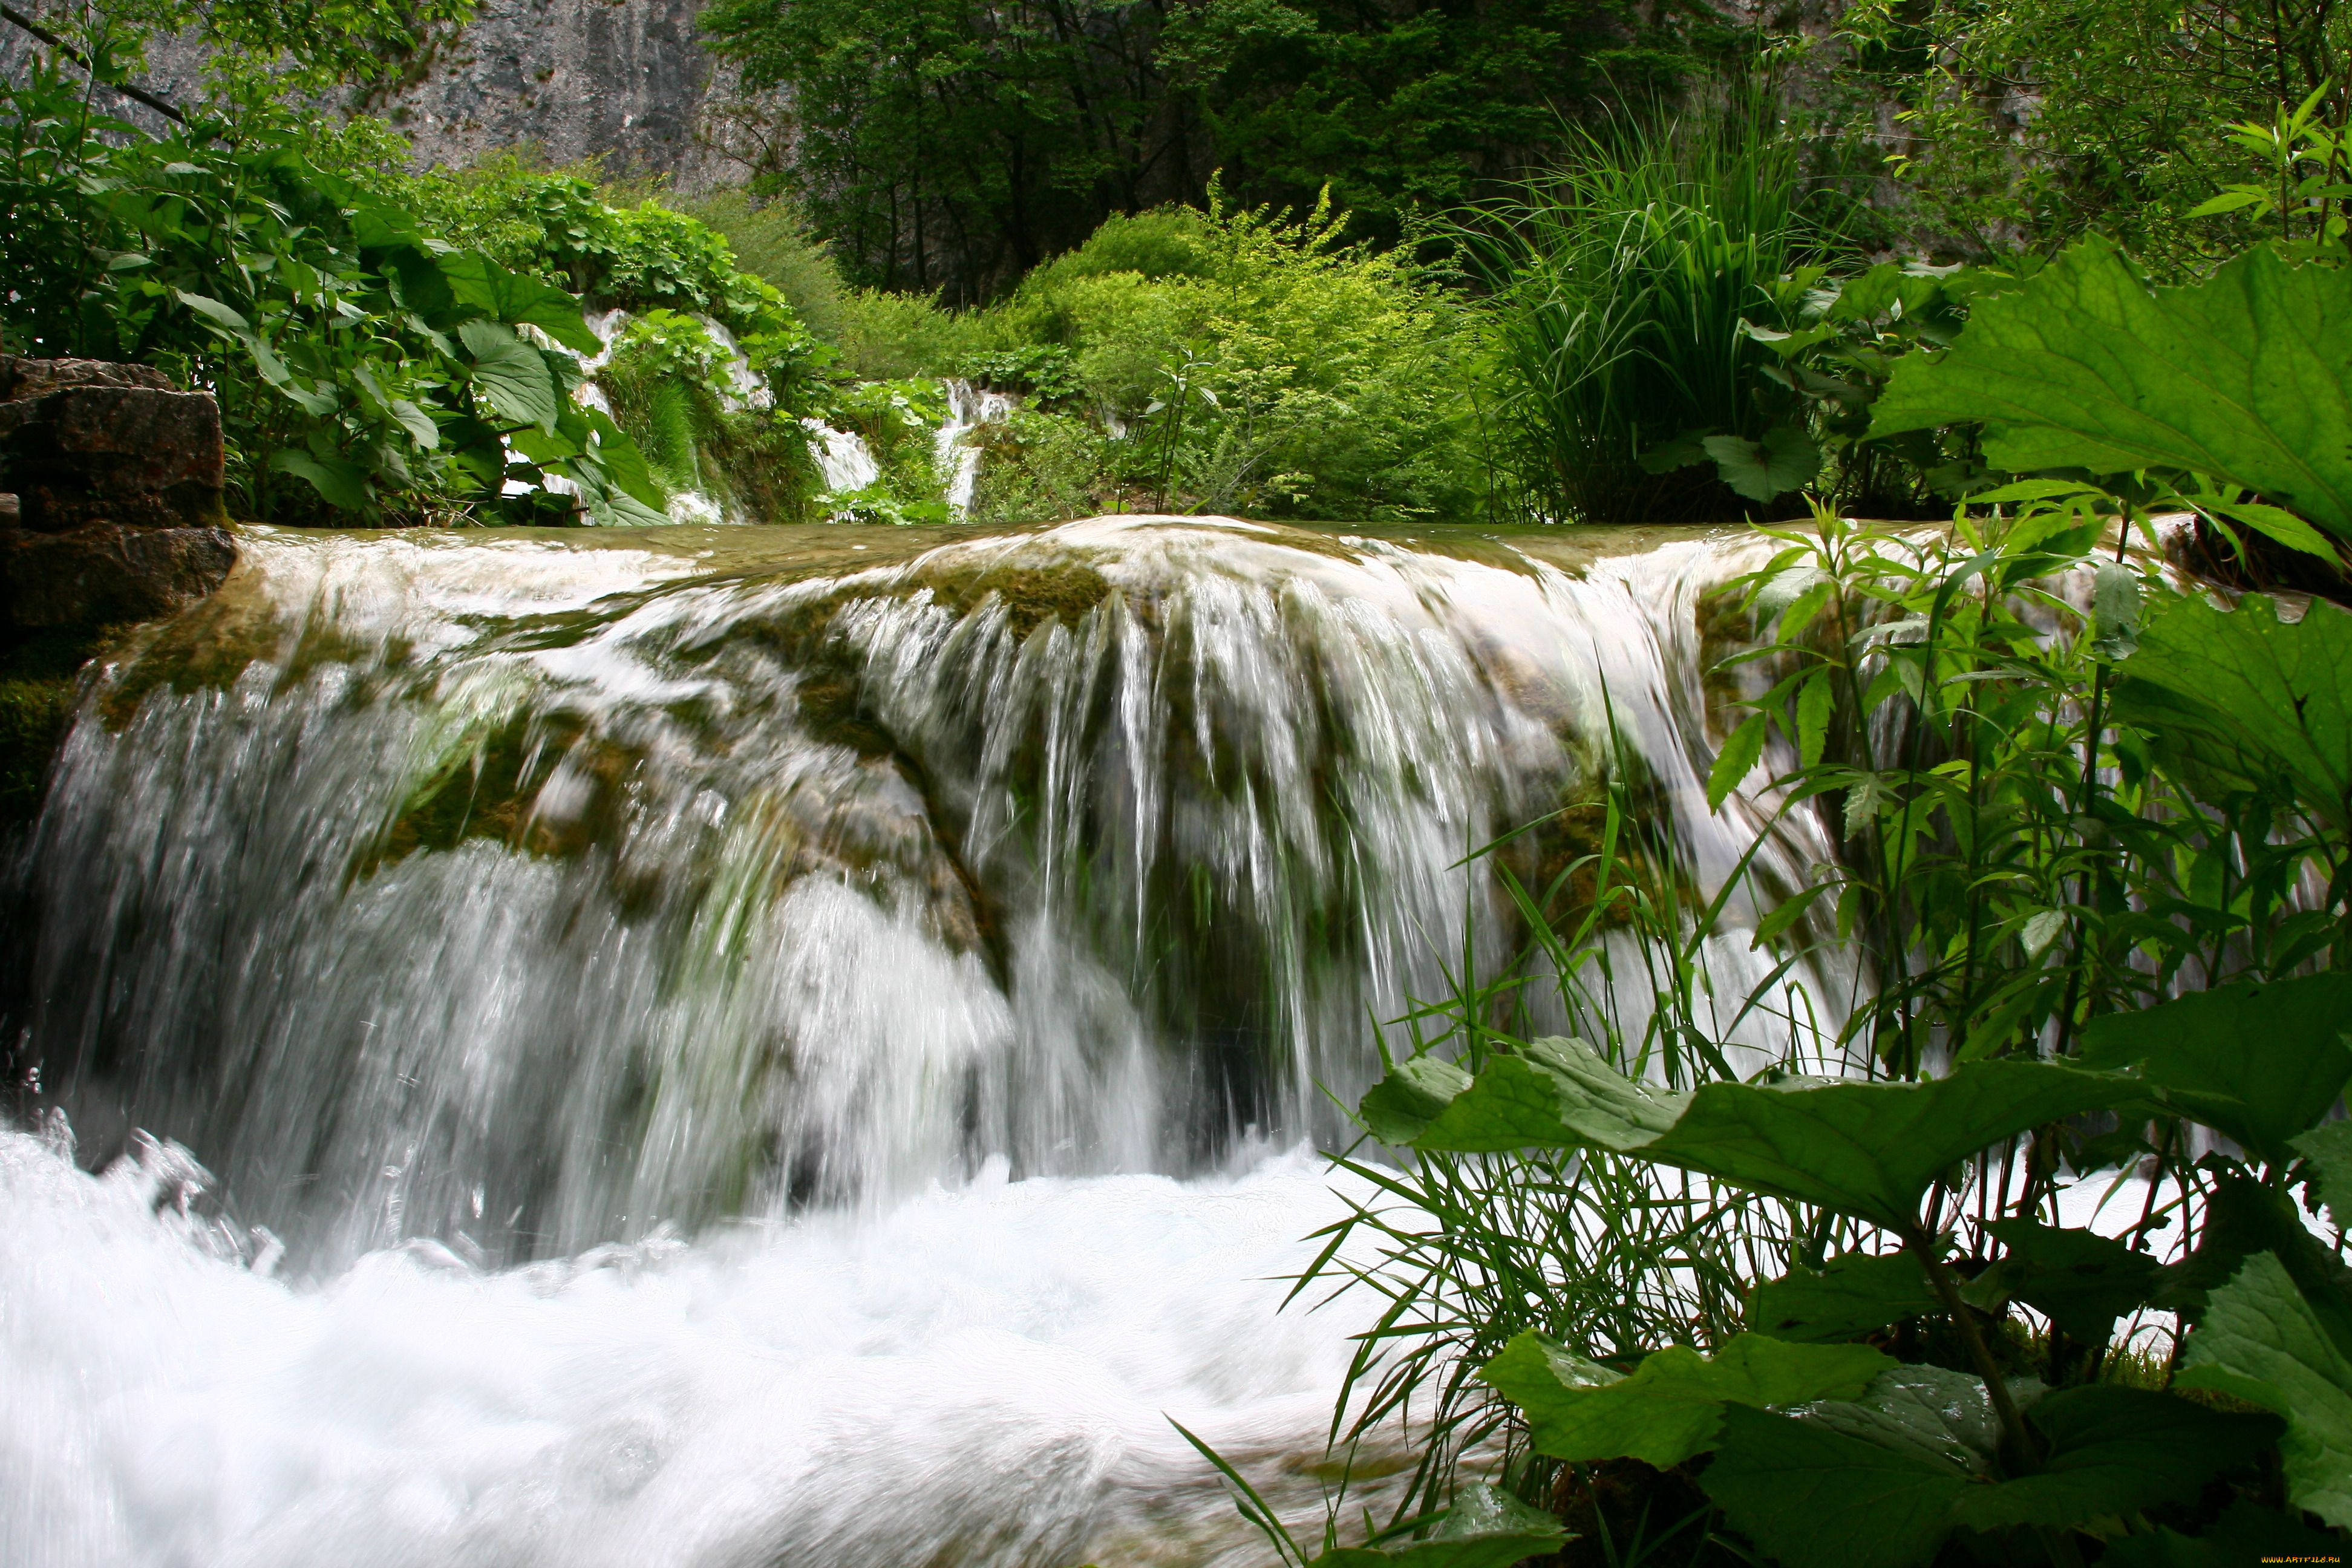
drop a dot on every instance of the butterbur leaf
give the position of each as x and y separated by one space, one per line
516 298
2111 1451
2080 1280
2240 698
1484 1528
1929 1411
2261 1342
1784 460
1740 751
2328 1151
1862 1149
1400 1107
1671 1406
1856 1294
1683 450
2245 1217
510 377
1806 1493
2258 1060
2242 377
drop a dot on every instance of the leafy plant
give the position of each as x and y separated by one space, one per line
1623 287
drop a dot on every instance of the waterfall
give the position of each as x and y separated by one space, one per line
782 1054
842 457
953 453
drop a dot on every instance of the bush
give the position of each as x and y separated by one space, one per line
1244 361
1621 288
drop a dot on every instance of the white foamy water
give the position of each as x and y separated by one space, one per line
979 1377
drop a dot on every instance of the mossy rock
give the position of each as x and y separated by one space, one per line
1031 594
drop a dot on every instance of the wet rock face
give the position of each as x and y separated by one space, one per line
115 478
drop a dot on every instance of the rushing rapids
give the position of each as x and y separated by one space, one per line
760 1045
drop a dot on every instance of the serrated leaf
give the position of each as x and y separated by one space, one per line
2246 1533
1853 1295
1484 1528
1740 751
2080 1280
1808 1494
1929 1411
2243 698
2258 1061
510 377
1671 1406
2245 377
2261 1342
2245 1217
1864 1149
212 309
1815 701
2328 1149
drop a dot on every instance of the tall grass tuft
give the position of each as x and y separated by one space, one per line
1618 286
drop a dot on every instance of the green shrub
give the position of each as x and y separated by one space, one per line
1629 390
773 242
1257 362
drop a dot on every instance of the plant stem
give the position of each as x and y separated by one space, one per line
1948 1291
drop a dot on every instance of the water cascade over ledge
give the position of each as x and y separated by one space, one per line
760 1046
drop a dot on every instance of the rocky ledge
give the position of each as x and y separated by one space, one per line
110 512
113 478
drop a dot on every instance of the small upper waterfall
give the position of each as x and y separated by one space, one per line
953 453
513 897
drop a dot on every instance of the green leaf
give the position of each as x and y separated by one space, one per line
1738 756
1815 704
2114 611
2245 377
1808 1494
2245 1217
2080 1280
1784 460
515 299
1864 1149
1853 1295
510 377
2273 523
2261 1341
212 310
1671 1406
1929 1411
1484 1528
1400 1107
2329 1148
2245 697
2258 1061
2114 1451
342 485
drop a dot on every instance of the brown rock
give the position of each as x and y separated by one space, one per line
105 572
22 378
119 454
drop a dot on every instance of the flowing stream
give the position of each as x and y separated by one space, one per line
760 1046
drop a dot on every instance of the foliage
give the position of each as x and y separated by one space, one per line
1623 287
2237 379
2028 122
940 143
774 241
1244 361
360 364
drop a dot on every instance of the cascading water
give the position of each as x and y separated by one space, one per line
951 945
953 453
